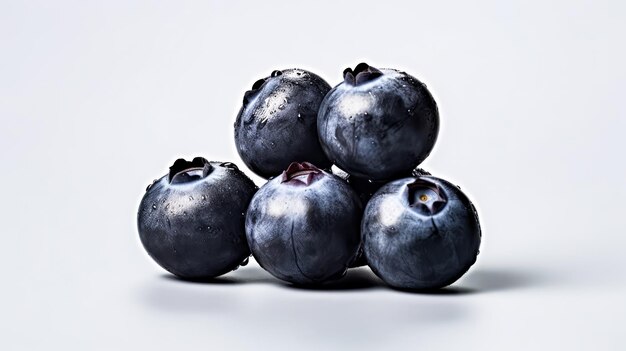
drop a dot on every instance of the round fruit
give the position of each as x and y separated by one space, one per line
378 124
191 221
365 189
277 123
420 233
303 226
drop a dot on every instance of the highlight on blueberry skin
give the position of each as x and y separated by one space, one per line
420 233
277 124
191 221
378 124
303 226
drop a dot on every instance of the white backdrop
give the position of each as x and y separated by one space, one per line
99 98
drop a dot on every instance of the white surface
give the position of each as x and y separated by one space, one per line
99 98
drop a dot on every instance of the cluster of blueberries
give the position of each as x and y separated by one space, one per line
343 189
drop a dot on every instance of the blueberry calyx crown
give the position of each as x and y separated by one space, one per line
303 173
247 96
183 171
362 73
418 172
229 165
426 197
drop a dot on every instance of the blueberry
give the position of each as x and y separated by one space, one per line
303 226
277 123
420 232
365 189
191 221
378 124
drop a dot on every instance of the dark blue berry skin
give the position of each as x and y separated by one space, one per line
359 259
378 124
191 221
420 233
277 124
303 226
365 189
